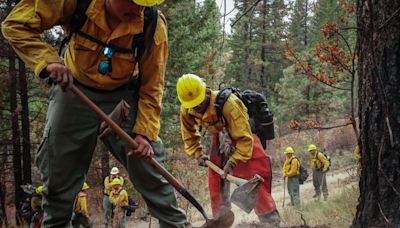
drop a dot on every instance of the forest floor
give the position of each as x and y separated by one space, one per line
337 181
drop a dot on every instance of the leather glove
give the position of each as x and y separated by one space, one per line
225 143
119 115
201 161
228 169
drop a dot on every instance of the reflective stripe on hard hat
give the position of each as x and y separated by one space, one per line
289 150
148 3
191 90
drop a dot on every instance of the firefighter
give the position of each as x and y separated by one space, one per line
319 166
291 171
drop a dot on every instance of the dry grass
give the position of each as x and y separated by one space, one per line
337 212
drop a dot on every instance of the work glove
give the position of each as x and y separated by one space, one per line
201 161
119 115
228 169
324 170
225 143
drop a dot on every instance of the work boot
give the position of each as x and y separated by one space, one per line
316 195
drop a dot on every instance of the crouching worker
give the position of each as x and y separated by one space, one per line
81 213
119 201
234 148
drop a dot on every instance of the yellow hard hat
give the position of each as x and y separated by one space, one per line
289 150
191 90
312 147
85 186
116 181
148 3
39 189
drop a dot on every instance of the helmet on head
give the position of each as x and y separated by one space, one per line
85 186
116 181
39 189
312 147
289 150
114 170
148 2
191 90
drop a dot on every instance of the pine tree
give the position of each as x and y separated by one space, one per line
299 29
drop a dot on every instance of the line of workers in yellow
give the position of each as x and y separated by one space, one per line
115 201
291 170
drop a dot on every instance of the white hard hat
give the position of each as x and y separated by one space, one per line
114 170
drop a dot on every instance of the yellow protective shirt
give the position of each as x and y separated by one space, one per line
107 184
291 167
29 18
119 198
81 204
236 123
319 161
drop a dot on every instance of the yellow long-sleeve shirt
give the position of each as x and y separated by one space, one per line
107 184
29 18
291 167
236 123
319 161
119 198
81 204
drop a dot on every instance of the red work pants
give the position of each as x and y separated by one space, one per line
259 164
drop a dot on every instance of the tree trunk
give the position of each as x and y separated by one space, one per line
15 133
3 214
263 46
26 144
379 112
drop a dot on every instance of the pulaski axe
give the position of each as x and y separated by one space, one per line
224 219
246 194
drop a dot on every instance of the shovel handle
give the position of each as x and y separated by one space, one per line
236 180
121 133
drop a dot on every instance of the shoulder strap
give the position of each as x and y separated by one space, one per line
220 100
140 44
77 21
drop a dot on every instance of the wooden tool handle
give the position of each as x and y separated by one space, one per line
236 180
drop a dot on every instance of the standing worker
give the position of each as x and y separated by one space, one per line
291 171
241 150
119 52
81 213
108 212
319 165
119 201
36 205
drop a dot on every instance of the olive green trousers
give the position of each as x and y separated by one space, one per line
65 153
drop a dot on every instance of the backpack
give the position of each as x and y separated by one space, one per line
261 118
138 43
327 158
303 173
132 205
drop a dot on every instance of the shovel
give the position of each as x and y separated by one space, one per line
246 194
224 219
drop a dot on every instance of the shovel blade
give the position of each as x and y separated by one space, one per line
246 196
225 219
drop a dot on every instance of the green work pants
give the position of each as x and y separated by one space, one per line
294 190
67 147
319 182
107 207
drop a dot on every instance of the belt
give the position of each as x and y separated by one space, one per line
106 194
131 85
